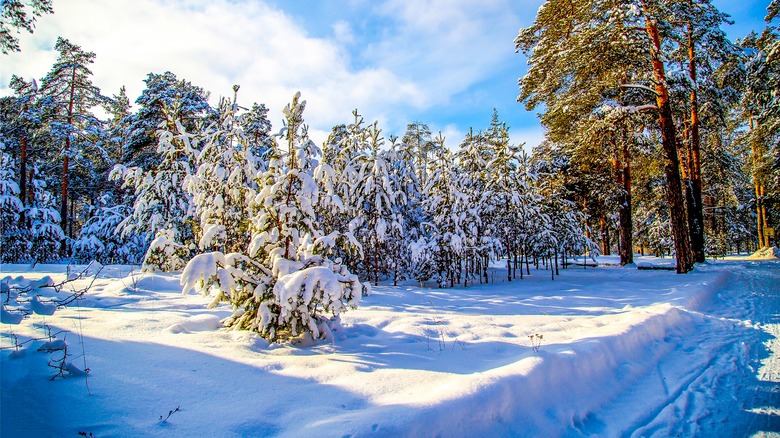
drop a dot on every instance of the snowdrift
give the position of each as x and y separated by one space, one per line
598 351
768 253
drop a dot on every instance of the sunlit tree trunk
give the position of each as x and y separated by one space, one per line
671 160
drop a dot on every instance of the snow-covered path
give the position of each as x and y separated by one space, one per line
722 378
621 352
755 386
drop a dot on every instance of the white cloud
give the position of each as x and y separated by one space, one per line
393 61
213 44
343 33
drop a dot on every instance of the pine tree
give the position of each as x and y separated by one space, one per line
761 109
19 15
284 286
162 212
581 52
101 237
505 193
445 204
374 201
481 246
46 234
14 233
162 91
69 87
418 144
224 182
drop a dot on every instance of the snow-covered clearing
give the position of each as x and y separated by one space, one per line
607 352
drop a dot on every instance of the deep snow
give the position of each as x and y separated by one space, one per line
620 352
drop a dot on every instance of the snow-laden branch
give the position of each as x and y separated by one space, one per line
640 87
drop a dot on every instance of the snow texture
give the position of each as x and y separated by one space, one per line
605 351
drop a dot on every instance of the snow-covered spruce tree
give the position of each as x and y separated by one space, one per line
223 184
14 234
446 205
101 237
505 192
284 285
374 201
46 235
163 211
162 91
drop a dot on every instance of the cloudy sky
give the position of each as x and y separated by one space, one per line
447 63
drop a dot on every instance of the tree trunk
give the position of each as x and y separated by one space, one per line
508 262
763 240
674 187
65 163
623 171
604 234
695 207
23 166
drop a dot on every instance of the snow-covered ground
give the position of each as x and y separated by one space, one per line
604 352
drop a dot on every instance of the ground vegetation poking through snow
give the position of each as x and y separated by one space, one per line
619 352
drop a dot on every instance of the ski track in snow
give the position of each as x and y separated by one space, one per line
624 353
731 374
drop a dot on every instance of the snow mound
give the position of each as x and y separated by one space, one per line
768 253
197 323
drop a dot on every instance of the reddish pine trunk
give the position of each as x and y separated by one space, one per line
695 207
671 160
65 164
623 174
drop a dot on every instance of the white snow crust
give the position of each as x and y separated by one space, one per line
604 351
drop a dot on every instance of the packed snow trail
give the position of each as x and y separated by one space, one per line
722 379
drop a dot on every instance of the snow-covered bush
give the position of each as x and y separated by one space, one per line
101 239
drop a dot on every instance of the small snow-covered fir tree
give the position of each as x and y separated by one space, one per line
101 237
506 193
224 183
373 198
445 204
46 235
284 286
163 211
14 234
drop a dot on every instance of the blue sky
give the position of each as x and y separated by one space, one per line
447 63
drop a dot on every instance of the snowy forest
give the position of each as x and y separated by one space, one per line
662 137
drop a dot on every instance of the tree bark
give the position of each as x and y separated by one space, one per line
65 164
623 174
674 187
760 189
23 165
695 207
604 234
